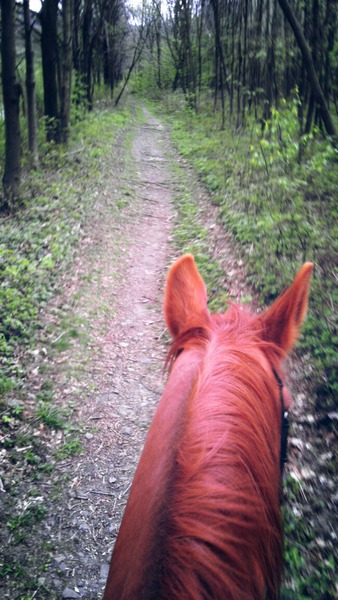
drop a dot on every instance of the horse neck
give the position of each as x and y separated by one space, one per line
227 472
134 561
205 492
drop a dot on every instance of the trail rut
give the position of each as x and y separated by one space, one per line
127 369
112 373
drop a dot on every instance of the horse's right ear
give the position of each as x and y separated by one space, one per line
282 321
185 300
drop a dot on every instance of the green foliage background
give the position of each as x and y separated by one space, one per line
281 213
39 241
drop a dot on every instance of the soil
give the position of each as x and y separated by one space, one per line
111 375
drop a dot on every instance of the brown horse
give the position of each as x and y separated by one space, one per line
203 517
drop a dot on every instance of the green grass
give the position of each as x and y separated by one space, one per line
191 236
280 214
68 449
33 513
39 244
302 584
39 241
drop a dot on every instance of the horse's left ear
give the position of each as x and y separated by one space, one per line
282 321
185 300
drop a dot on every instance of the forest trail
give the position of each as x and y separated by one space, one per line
112 372
123 370
109 370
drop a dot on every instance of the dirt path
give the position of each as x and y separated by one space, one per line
109 371
122 367
125 369
117 379
110 374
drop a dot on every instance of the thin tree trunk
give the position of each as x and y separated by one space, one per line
107 68
199 21
11 95
310 67
30 87
239 74
330 29
219 59
158 48
76 37
67 8
232 68
245 46
136 57
216 84
268 69
189 62
87 20
49 49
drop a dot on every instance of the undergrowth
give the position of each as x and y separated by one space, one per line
40 241
190 236
281 213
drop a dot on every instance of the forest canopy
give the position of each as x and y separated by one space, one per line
248 57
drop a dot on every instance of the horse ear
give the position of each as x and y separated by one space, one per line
185 300
282 321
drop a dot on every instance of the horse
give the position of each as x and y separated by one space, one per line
203 517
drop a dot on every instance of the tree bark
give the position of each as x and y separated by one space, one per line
30 87
67 7
143 35
49 49
158 49
87 25
310 67
11 96
219 62
330 29
199 24
245 51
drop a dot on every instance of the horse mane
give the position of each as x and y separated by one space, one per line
203 519
195 337
237 322
224 499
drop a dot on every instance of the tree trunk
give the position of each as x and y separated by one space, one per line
245 50
158 50
268 68
310 67
11 96
67 8
87 25
107 59
219 59
199 21
330 29
232 67
76 37
143 35
30 87
49 49
239 74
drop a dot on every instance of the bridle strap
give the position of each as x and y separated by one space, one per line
284 440
284 425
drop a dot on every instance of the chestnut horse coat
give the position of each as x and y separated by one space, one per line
203 517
